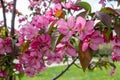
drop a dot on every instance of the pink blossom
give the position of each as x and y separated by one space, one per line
71 5
18 67
57 7
29 71
28 31
53 57
68 5
56 1
84 27
49 15
22 19
102 2
40 22
67 28
115 56
3 74
116 48
92 41
45 40
5 46
112 72
66 48
33 3
32 62
35 44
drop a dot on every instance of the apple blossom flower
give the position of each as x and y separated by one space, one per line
45 40
18 67
66 48
32 62
67 28
5 46
92 41
84 27
71 5
28 31
3 73
40 22
115 56
22 19
116 49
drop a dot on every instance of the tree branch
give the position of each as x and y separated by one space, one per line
13 18
4 17
65 69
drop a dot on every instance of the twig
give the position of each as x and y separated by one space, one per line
4 17
13 18
77 66
65 69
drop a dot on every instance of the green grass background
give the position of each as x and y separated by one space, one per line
77 74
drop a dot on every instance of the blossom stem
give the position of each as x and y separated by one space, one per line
59 75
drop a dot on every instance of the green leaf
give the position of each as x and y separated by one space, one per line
85 5
108 33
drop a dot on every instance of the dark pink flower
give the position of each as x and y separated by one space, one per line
18 67
115 56
35 44
92 41
41 22
45 40
116 48
66 48
3 74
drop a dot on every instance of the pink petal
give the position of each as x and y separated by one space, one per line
71 22
62 27
94 46
80 22
71 51
84 46
89 25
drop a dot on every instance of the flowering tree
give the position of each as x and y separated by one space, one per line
52 32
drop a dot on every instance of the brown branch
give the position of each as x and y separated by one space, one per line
4 17
65 69
13 18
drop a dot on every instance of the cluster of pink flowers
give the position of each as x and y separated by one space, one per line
5 46
40 50
116 48
3 73
88 35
